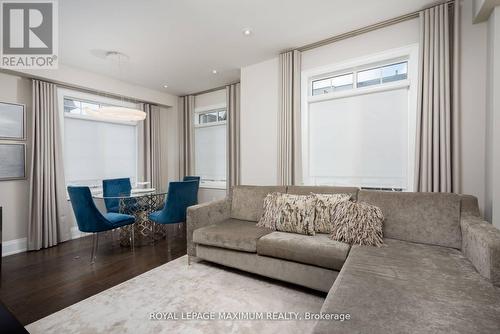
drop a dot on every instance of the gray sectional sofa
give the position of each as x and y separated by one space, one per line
439 271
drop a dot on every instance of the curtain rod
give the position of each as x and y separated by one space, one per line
211 89
80 88
369 28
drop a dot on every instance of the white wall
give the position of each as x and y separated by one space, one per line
492 210
210 99
14 197
201 101
472 104
259 123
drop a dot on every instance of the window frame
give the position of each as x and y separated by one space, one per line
331 77
205 110
354 71
64 93
407 53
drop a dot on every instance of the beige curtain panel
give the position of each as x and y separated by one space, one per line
186 161
151 159
233 134
49 222
289 118
437 114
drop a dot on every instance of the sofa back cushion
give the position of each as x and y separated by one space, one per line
306 190
429 218
248 201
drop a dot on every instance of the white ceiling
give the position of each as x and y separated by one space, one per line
179 42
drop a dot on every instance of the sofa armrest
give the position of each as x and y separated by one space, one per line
203 215
469 206
481 245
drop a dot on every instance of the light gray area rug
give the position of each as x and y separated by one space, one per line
178 290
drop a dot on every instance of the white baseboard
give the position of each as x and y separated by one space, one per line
14 246
76 233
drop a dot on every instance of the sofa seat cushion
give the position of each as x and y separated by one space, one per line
411 288
317 250
231 233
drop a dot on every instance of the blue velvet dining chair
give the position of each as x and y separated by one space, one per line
193 178
180 196
91 220
115 188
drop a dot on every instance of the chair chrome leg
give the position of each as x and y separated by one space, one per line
113 237
153 233
189 260
93 249
167 236
132 237
95 245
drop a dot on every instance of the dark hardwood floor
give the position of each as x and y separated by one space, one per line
36 284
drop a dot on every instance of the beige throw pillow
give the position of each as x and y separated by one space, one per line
289 213
358 223
326 204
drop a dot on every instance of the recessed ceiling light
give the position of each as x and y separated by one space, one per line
214 71
165 86
247 32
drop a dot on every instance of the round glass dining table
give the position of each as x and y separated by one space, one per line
140 203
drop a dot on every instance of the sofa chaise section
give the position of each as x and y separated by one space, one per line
408 287
426 282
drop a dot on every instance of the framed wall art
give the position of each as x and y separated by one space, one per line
12 161
12 121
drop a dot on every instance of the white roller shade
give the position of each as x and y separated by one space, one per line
96 150
210 152
360 140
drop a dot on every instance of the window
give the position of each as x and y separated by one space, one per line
95 149
335 84
380 75
358 125
212 116
210 145
364 78
78 107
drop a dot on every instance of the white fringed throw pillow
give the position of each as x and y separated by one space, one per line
357 223
271 211
326 204
289 213
296 214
